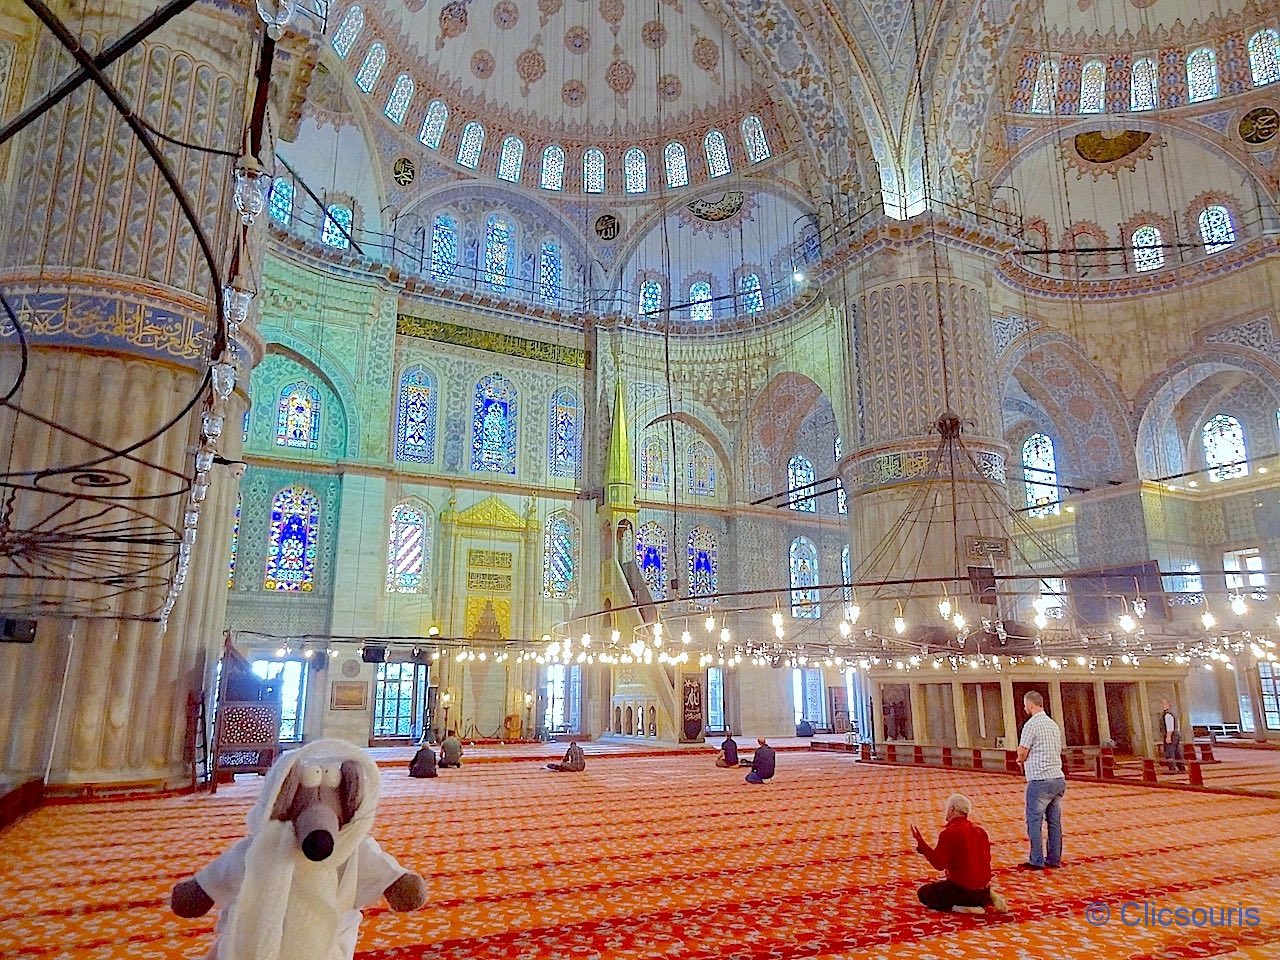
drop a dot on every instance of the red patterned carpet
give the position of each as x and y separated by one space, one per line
667 857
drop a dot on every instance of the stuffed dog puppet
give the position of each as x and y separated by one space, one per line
294 887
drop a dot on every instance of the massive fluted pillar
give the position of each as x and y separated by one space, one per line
114 298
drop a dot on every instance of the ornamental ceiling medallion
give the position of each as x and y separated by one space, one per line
1099 152
453 21
1258 126
714 209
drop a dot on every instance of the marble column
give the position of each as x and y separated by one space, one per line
1104 716
961 714
114 299
1010 709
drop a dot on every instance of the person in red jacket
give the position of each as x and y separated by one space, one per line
964 852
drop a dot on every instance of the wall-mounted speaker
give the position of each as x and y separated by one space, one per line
17 631
373 654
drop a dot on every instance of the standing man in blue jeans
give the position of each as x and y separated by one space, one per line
1040 753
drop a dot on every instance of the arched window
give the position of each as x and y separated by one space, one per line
550 272
754 138
1143 89
636 169
280 204
1216 229
400 98
1148 248
704 561
1093 85
337 226
433 124
651 557
803 560
235 542
348 30
650 297
1202 74
1040 476
842 498
499 251
846 577
470 145
371 67
593 171
655 470
1225 453
700 301
298 416
408 546
416 405
552 169
511 159
677 165
1264 57
291 549
800 480
717 153
444 248
749 289
1044 95
564 434
700 469
493 426
560 557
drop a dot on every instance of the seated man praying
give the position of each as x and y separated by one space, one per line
575 761
728 755
451 751
762 764
964 852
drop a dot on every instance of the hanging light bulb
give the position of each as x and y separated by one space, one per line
1209 620
724 635
686 638
276 14
614 636
1139 608
899 624
958 621
223 377
851 612
1238 606
251 183
709 623
944 608
1127 623
777 618
846 628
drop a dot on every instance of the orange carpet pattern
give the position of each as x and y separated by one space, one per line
667 857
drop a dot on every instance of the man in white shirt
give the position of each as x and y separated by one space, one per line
1040 753
1172 738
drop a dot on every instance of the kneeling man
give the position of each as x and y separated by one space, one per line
964 852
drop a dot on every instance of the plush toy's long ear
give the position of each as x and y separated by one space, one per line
285 798
349 792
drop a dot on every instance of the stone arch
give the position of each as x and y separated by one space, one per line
771 431
336 379
704 431
265 406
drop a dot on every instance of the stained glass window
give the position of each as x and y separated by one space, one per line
1093 84
470 145
350 27
560 557
677 165
291 549
650 297
803 560
846 577
416 416
550 270
800 480
1044 96
433 124
298 416
700 301
564 433
701 469
337 226
1202 74
407 549
717 153
1264 57
1148 248
654 466
593 171
842 498
444 248
400 98
493 426
235 542
651 557
704 561
499 252
511 159
372 66
752 296
280 206
552 169
1216 229
636 169
1225 453
1040 476
753 136
1143 85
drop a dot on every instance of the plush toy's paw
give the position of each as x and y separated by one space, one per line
407 893
188 899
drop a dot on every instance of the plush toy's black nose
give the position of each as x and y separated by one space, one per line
318 844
